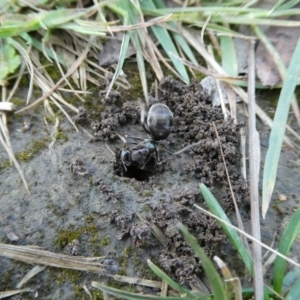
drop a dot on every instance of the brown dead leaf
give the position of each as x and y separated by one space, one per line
284 40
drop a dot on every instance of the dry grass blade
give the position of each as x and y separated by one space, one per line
233 284
10 153
156 231
149 23
206 71
254 159
34 255
149 53
69 73
6 106
82 77
238 215
140 281
248 236
243 152
87 291
105 296
30 274
164 289
219 88
21 47
14 292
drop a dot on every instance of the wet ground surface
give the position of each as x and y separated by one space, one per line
82 203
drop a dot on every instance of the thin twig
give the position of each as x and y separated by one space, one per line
238 216
254 158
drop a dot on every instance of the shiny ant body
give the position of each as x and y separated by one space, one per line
158 124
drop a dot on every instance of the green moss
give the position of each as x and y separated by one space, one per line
35 147
89 218
73 276
61 136
128 251
52 70
65 237
97 295
123 260
4 163
105 241
145 208
68 235
148 193
17 101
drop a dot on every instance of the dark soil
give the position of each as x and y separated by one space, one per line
82 203
193 122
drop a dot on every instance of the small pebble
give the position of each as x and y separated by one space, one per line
281 197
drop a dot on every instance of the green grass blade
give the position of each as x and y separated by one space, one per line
237 242
140 63
130 12
184 46
85 30
45 19
278 129
289 279
122 56
294 292
248 293
38 45
133 296
177 287
286 242
166 42
211 273
177 37
54 18
229 58
9 59
266 295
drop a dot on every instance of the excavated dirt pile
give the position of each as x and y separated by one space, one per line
193 122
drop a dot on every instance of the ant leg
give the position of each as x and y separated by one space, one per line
187 148
180 151
170 152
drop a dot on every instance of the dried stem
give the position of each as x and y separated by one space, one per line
254 159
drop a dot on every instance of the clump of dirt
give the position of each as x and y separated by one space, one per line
82 116
73 248
78 168
112 118
107 192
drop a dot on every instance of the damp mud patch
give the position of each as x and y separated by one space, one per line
164 194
